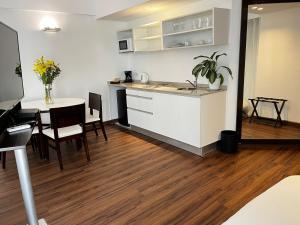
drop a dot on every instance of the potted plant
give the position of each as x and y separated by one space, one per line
210 69
48 70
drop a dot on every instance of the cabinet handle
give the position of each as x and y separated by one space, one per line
138 96
138 110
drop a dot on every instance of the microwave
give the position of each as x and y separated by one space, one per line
126 45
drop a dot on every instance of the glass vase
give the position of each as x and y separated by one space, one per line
48 98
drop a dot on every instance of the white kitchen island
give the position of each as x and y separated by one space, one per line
188 119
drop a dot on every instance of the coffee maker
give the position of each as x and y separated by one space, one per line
128 77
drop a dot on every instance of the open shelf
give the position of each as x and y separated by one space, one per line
206 28
188 31
189 46
149 38
125 34
201 29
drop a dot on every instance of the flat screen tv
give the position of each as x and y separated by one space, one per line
11 83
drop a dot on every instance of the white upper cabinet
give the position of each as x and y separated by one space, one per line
148 37
206 28
202 29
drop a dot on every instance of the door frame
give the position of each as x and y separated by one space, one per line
241 73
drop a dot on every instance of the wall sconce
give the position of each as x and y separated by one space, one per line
48 24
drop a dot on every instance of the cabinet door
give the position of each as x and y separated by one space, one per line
140 109
177 117
140 119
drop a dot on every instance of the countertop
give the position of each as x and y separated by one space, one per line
169 87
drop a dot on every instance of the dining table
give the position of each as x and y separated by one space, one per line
44 115
57 103
45 108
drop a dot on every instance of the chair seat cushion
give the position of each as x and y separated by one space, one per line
64 132
91 118
35 130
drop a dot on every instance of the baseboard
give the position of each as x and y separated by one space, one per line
294 124
285 122
110 122
198 151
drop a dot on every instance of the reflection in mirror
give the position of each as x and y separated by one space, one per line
271 104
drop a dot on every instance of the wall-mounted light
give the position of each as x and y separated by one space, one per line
257 8
48 24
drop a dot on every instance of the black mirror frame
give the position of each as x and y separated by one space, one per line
241 75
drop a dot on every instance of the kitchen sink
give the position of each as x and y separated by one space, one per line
186 89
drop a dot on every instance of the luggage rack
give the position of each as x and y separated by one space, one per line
276 102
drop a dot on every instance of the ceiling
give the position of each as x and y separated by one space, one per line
270 8
147 8
86 7
122 10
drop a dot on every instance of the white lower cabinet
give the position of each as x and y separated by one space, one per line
140 109
141 119
178 117
193 120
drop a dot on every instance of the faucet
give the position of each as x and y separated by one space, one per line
194 84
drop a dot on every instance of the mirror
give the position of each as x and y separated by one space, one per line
271 98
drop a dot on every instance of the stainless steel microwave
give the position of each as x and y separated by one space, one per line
126 45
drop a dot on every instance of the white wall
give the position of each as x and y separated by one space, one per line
176 65
278 70
86 50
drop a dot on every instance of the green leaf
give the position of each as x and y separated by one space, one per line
221 78
228 70
206 67
212 77
218 56
201 56
213 65
213 55
197 69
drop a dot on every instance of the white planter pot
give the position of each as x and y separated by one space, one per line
215 86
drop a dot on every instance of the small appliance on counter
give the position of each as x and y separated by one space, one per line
128 77
144 78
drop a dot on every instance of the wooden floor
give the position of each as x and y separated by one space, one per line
136 180
256 130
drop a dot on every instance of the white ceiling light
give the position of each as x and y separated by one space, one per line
260 9
254 7
48 24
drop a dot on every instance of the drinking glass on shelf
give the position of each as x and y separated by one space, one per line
210 21
182 26
175 27
200 22
206 21
194 25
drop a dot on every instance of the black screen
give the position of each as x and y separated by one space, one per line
11 84
123 45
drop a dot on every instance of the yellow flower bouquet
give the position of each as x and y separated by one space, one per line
47 70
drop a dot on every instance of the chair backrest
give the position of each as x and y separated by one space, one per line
95 103
67 116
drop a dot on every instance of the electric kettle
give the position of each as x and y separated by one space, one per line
144 78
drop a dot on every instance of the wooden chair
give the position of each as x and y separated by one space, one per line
36 139
95 103
67 123
37 135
